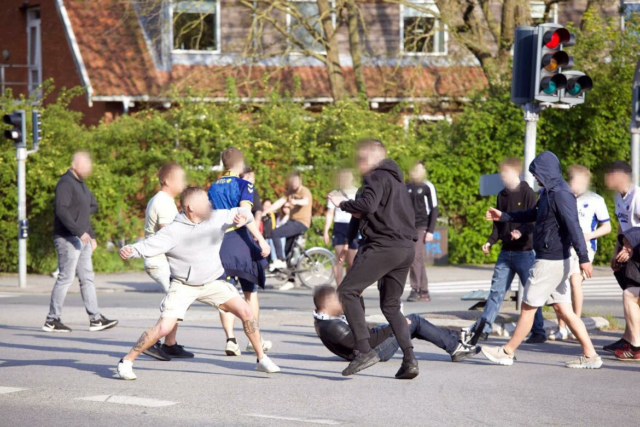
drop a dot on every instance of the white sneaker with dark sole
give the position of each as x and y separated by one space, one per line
125 370
498 355
266 365
232 349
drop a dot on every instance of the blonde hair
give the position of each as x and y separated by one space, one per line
513 163
578 170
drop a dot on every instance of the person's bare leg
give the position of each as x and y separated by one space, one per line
577 298
252 299
351 256
576 325
151 336
632 314
338 268
240 308
523 327
227 320
170 339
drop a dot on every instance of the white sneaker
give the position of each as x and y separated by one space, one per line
278 265
498 355
560 335
266 365
232 349
125 370
266 346
287 286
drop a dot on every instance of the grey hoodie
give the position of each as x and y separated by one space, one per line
193 250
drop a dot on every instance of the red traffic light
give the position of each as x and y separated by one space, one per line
553 39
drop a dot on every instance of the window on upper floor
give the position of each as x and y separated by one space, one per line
196 25
305 15
34 51
421 31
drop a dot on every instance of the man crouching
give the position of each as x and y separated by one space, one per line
192 246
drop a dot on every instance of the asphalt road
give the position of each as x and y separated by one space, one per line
67 379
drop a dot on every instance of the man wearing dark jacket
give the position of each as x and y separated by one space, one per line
334 332
425 206
628 276
75 242
516 255
557 228
383 211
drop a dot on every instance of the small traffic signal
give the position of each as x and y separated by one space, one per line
18 133
551 61
36 127
578 83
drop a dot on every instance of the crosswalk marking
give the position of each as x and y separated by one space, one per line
300 420
9 295
128 400
6 390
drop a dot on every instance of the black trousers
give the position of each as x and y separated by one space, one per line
389 266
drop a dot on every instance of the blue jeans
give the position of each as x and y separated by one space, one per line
420 328
508 265
272 255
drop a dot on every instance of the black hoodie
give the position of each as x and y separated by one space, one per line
628 276
520 199
556 213
387 216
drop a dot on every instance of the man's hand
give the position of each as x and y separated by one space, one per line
493 214
623 256
336 198
428 237
85 238
94 245
515 235
240 220
486 248
356 215
343 253
587 270
265 248
126 252
326 238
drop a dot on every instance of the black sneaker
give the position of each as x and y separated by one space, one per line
55 326
177 351
156 352
413 296
360 362
101 324
464 351
611 348
408 370
536 338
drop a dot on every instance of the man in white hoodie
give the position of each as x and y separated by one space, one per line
192 246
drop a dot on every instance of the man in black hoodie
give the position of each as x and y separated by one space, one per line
557 228
383 213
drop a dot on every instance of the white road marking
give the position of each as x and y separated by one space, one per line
300 420
5 390
128 400
9 295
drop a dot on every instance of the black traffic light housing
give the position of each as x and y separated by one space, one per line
18 133
36 128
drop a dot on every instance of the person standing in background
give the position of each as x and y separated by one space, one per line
345 248
75 241
161 211
425 205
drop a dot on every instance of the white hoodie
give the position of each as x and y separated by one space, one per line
193 250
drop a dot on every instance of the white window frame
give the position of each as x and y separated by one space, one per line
218 49
445 30
32 22
407 119
288 24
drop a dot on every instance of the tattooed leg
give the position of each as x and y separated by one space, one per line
240 308
150 337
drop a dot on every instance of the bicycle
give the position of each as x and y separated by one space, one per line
313 267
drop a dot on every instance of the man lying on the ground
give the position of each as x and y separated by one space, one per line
335 334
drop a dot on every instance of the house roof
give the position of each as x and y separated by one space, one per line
118 63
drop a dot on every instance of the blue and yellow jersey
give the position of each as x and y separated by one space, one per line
228 191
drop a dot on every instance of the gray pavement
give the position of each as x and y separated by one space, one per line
67 379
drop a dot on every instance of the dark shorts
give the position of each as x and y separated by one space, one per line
340 230
241 258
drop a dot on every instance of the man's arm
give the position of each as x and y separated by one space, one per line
566 211
530 215
265 248
63 198
328 219
432 203
275 206
160 243
93 207
369 198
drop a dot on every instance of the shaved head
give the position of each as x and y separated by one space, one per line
81 164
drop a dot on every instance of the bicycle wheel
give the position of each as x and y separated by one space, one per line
315 267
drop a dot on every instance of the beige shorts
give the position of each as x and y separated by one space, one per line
575 262
181 296
548 283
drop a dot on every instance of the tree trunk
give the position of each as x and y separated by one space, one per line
355 46
336 79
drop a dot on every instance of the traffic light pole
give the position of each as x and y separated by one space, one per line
531 117
21 157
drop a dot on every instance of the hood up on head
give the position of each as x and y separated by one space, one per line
391 167
632 235
546 169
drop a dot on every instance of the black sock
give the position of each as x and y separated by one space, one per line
232 339
408 354
363 346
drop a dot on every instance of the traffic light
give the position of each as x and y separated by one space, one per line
18 133
578 83
36 128
551 61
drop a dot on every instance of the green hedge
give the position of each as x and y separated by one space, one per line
282 135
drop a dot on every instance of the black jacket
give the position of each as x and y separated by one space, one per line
628 276
425 204
74 204
386 210
557 227
520 199
338 338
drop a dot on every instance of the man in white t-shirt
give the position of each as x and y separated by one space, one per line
627 200
345 249
594 222
161 211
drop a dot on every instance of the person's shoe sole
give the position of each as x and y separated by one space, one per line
409 374
502 362
627 360
103 327
180 357
368 364
127 379
157 356
261 369
54 330
464 356
590 365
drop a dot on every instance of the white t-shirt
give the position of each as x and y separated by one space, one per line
592 210
161 210
628 209
339 215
